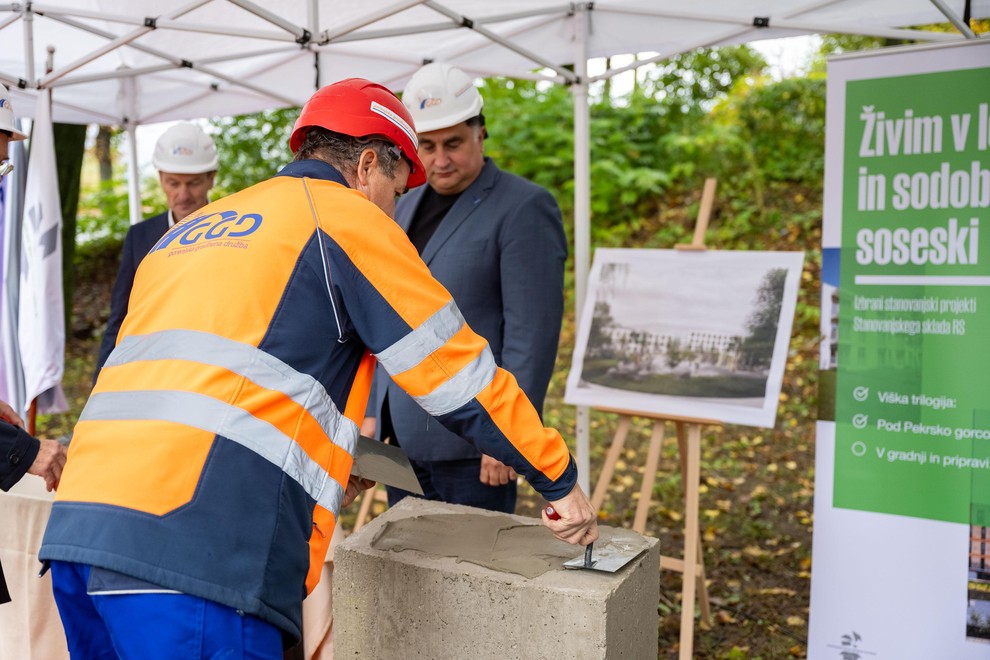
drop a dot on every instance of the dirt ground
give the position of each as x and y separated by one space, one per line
756 489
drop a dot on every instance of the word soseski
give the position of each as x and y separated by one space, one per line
953 244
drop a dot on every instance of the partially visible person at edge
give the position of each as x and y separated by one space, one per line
20 453
186 160
496 242
209 465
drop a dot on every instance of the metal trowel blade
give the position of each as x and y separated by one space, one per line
609 558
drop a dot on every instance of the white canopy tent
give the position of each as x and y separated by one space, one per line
132 62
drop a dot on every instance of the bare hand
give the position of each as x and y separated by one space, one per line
49 462
356 486
368 427
494 472
7 414
578 522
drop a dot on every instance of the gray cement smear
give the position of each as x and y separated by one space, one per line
409 604
497 542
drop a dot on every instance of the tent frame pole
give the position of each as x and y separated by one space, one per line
954 18
468 23
116 43
582 215
296 31
440 27
329 35
28 17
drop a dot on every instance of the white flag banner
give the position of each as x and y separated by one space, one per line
11 377
41 318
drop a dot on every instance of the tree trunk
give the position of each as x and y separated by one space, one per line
70 144
104 152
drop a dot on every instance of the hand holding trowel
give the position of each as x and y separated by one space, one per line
611 557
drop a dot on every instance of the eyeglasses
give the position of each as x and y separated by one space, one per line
6 168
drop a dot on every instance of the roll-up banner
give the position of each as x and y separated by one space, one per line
901 556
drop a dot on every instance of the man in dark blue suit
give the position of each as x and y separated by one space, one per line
497 242
186 160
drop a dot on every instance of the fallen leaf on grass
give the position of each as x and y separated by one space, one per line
795 621
725 617
755 551
777 591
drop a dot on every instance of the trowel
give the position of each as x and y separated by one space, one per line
385 464
617 552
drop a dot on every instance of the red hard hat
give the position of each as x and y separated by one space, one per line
361 108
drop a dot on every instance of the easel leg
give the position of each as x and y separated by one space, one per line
364 513
614 451
649 478
691 475
703 602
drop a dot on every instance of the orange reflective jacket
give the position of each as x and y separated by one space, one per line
213 454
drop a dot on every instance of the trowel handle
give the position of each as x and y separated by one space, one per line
552 514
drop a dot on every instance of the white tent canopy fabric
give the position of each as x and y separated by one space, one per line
131 62
143 61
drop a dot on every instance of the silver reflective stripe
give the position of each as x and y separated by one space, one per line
245 360
413 348
214 416
462 386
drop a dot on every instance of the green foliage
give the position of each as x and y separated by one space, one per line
685 85
652 140
785 124
104 210
251 147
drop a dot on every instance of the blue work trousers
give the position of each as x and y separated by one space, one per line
155 626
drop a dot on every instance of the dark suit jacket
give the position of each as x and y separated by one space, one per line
17 452
500 251
138 242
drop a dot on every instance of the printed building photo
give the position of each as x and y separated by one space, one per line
686 334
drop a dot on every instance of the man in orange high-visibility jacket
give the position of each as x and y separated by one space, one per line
209 465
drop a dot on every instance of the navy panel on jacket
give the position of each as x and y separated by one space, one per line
150 536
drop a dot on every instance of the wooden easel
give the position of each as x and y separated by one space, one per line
689 450
374 494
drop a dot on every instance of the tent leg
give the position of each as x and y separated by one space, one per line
582 215
133 175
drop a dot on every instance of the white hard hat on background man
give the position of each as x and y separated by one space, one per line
440 96
185 149
7 116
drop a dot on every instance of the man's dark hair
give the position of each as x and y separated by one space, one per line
478 121
344 151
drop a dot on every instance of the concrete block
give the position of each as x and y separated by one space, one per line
392 601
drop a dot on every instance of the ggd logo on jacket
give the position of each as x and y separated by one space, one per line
212 227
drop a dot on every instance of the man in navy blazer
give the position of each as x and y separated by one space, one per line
497 242
186 159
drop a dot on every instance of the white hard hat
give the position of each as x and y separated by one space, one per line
440 96
185 149
7 115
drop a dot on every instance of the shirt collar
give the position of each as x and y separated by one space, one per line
313 169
